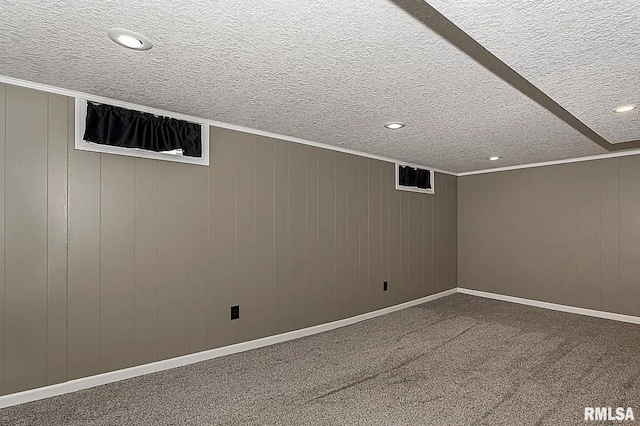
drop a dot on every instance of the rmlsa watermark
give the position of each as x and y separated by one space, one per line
608 413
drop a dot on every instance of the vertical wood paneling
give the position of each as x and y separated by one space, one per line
199 260
569 231
281 243
471 274
429 247
25 308
444 235
173 259
245 232
83 316
365 283
116 262
452 241
341 199
576 232
2 227
395 240
629 235
222 217
420 252
265 289
385 170
297 232
556 227
327 238
588 235
375 236
404 246
146 260
58 134
610 235
134 260
412 239
353 235
312 237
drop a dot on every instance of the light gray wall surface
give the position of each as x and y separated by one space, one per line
110 261
567 234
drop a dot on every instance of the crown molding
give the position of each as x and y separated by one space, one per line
214 123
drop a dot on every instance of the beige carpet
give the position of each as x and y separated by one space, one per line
459 360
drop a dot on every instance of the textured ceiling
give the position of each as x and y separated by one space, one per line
584 54
332 72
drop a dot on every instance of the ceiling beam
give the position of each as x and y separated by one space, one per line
437 22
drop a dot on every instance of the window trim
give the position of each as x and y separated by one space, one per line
412 189
82 145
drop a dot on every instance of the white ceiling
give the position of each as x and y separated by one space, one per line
584 54
332 72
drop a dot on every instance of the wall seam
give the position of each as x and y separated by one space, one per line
618 302
157 254
46 357
135 311
234 331
274 325
66 313
4 241
253 286
100 267
190 337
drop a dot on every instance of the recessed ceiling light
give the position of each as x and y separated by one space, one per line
494 158
129 39
624 108
394 126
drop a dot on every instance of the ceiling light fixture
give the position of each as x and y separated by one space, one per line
129 39
624 108
494 158
394 126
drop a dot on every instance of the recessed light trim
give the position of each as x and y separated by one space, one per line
394 125
625 108
494 158
129 39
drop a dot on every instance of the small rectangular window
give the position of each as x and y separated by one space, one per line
414 179
142 132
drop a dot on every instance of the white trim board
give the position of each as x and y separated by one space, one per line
100 99
552 306
128 373
83 145
554 162
128 105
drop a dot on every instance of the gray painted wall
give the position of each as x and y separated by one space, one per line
110 262
567 234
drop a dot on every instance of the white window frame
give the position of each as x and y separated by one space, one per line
411 189
83 145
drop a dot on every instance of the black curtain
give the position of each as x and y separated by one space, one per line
417 178
110 125
423 179
407 176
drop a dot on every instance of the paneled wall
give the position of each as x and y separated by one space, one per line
567 234
110 262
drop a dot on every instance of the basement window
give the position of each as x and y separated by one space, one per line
409 178
140 132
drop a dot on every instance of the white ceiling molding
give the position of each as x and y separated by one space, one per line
100 99
331 72
128 105
552 163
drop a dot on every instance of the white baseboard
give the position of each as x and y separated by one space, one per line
127 373
552 306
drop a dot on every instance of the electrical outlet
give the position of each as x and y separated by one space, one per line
385 286
235 312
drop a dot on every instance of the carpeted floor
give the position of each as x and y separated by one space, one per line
459 360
